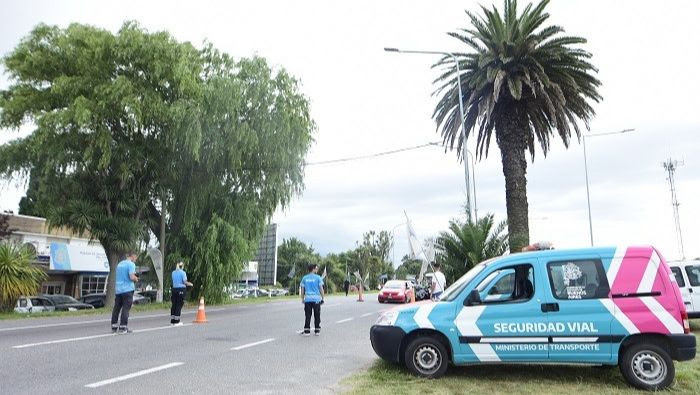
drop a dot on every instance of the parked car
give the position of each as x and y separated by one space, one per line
250 293
396 291
687 275
602 306
422 293
34 304
278 292
98 300
67 303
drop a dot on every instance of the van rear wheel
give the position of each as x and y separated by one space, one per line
426 357
647 366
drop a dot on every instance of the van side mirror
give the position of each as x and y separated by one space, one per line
473 299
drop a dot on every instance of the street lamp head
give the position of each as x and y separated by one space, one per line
391 49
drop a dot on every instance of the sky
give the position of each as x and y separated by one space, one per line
365 100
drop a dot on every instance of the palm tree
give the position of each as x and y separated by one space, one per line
17 275
521 82
468 243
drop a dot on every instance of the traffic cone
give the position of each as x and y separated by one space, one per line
201 315
359 298
413 296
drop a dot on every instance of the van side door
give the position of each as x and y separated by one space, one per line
504 328
580 323
679 275
693 272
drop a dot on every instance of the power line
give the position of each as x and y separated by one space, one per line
375 155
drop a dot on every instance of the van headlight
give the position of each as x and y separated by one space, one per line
388 318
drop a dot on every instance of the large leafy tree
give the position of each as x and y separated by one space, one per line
135 131
101 104
255 132
467 243
523 83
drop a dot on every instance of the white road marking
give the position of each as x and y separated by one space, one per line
252 344
332 305
132 375
367 314
345 320
75 339
17 328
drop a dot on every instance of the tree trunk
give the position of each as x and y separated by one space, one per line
161 278
113 259
512 143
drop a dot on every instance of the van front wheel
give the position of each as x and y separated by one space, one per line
426 357
647 366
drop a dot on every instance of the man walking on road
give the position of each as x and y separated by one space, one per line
438 283
177 296
312 297
125 277
346 286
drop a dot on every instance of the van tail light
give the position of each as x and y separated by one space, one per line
686 322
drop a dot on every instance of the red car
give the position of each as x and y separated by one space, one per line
396 291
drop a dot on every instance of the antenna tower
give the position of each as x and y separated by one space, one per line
670 166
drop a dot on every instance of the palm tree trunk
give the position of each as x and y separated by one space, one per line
512 144
113 259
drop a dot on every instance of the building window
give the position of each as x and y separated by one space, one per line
52 288
92 285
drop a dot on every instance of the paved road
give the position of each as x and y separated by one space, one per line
244 348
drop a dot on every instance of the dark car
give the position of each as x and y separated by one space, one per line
422 293
67 303
98 300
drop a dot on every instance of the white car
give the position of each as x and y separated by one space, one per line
687 274
34 304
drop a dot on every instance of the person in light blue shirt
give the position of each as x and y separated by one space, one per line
177 296
311 290
125 277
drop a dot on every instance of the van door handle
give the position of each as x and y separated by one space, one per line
690 290
550 307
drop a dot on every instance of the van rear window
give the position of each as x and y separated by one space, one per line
678 274
693 275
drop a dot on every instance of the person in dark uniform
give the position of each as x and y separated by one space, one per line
177 296
346 286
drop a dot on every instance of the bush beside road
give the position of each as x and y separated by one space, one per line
386 378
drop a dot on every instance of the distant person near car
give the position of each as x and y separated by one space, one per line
312 297
438 284
124 293
177 296
346 286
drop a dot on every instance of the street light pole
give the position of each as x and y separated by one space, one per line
585 166
461 113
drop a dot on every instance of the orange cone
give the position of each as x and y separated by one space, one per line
201 315
413 296
359 298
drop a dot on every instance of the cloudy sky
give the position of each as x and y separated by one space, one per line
365 100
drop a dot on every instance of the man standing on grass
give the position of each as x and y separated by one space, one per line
177 296
311 290
125 277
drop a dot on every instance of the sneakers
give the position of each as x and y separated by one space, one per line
306 334
317 333
177 324
124 330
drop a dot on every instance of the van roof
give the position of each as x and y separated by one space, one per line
603 251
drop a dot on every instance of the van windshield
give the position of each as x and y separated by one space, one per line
455 289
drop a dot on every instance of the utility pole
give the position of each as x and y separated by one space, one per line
670 166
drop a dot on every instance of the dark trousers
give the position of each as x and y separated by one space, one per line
122 304
177 298
315 308
347 288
